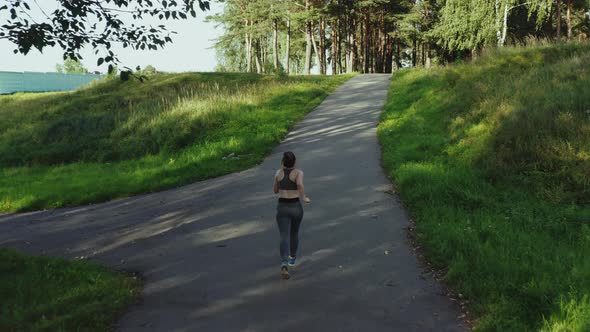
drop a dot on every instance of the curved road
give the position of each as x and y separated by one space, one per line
209 250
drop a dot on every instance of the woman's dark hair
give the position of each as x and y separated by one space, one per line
288 159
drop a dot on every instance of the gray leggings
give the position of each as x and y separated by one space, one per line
289 215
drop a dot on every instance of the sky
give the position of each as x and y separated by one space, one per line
190 51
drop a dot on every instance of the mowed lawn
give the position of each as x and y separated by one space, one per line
115 139
493 161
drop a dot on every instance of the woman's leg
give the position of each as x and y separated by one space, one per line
294 236
283 221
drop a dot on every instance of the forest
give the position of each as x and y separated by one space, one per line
380 36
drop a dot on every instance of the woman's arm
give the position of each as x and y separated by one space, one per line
275 187
301 188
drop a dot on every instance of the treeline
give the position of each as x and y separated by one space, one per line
379 36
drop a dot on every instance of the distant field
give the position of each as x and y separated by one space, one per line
116 138
493 161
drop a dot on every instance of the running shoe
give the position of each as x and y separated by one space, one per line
285 272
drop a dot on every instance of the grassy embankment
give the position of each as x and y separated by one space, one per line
116 139
51 294
493 161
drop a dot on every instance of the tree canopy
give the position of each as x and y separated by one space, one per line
98 23
382 35
71 66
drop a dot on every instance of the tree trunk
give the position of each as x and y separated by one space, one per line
423 54
504 24
385 47
339 47
248 49
335 54
346 45
361 47
398 55
248 54
275 26
498 23
315 48
355 56
388 55
428 55
350 47
257 56
414 51
426 44
307 41
558 19
568 20
307 50
288 51
374 50
366 54
263 52
322 45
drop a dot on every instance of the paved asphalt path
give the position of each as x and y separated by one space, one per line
209 250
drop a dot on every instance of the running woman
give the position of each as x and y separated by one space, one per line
288 183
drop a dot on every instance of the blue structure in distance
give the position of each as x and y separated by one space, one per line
11 82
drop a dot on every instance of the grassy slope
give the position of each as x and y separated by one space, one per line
50 294
493 161
116 139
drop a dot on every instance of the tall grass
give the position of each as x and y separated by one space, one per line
493 161
115 138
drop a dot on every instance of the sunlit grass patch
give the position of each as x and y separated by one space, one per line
574 316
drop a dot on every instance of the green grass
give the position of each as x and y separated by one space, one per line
493 161
116 139
51 294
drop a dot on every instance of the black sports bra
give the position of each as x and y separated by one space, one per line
286 183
